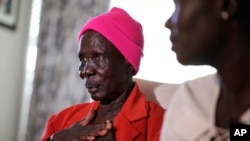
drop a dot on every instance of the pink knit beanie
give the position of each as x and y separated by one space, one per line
120 29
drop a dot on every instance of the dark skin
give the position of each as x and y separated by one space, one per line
80 131
108 78
201 36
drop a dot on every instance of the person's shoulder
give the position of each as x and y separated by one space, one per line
192 105
203 80
202 86
154 107
197 92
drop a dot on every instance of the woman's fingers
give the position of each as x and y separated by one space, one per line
108 124
87 138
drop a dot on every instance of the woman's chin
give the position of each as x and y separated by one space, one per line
96 97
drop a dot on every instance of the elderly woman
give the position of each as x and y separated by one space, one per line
215 33
110 50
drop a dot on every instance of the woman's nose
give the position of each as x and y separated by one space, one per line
168 23
87 70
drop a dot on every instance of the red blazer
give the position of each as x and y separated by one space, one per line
138 120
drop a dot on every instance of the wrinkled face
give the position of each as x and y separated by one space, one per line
102 66
197 31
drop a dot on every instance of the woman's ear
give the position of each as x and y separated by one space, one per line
130 68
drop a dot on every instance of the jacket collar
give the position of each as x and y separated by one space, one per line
135 106
134 109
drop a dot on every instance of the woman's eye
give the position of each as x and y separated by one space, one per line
98 58
83 59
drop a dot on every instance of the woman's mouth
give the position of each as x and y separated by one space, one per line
92 88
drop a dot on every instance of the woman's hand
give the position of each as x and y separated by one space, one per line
81 131
78 132
110 136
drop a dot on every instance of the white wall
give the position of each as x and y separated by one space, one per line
13 46
159 62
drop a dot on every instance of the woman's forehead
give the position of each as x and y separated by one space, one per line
94 40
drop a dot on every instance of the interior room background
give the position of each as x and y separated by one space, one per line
39 65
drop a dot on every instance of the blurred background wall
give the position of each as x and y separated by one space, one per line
13 47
